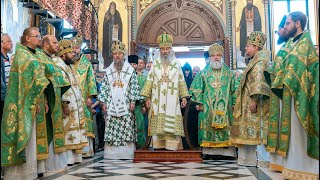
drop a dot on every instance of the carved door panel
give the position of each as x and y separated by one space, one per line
190 23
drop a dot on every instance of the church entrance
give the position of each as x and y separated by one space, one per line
191 23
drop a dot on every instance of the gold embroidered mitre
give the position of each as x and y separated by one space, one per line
216 48
165 40
257 38
65 46
77 41
118 46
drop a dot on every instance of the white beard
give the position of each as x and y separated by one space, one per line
216 65
167 58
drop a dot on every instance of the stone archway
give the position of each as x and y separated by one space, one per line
189 22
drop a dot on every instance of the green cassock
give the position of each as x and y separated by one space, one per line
251 128
140 121
214 91
53 120
84 73
295 75
27 82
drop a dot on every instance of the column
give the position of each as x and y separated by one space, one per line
266 22
233 35
129 7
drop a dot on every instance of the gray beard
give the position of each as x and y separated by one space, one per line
118 65
216 65
76 57
167 58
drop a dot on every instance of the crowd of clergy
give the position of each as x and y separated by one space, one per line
55 113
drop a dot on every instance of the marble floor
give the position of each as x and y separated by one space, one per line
98 168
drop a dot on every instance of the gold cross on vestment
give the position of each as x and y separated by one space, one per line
172 88
71 138
157 65
164 92
173 66
155 101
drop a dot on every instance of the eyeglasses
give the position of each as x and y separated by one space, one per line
37 36
287 23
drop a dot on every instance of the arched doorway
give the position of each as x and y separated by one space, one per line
191 23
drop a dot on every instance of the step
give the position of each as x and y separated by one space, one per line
42 12
150 155
31 5
56 22
65 32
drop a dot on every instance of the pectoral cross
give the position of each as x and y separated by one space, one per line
216 83
118 83
172 88
165 78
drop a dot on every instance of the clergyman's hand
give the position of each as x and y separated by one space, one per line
38 109
144 110
104 108
132 106
47 107
184 103
148 103
65 108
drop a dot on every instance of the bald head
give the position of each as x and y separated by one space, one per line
195 70
49 44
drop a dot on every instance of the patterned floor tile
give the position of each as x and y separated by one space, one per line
101 169
123 177
188 171
132 171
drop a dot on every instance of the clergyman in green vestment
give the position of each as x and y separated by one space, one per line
55 146
295 135
251 112
83 71
213 90
139 110
27 83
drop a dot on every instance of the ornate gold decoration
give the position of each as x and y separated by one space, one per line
144 4
216 48
118 83
257 38
65 47
77 41
216 3
118 46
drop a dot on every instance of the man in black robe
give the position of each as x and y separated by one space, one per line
112 19
250 16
